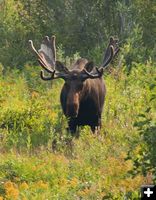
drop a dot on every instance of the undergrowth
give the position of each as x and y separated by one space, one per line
40 159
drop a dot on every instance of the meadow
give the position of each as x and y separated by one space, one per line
40 160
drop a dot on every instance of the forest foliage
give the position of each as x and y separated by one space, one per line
80 26
39 157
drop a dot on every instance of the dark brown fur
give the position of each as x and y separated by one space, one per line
83 94
82 101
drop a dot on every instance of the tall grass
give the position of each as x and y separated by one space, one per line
90 167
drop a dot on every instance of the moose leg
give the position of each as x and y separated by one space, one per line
96 126
72 126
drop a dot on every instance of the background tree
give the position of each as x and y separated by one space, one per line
80 26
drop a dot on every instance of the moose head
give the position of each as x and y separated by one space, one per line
83 93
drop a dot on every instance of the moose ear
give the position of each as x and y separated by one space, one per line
60 67
89 66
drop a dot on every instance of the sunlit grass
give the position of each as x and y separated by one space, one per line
88 167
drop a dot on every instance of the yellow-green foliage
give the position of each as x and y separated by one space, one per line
90 167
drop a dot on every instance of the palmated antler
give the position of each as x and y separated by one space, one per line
46 56
111 51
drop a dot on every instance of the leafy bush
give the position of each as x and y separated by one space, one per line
146 124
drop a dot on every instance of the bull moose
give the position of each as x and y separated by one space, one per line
83 93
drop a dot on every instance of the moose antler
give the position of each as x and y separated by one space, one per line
46 56
95 72
110 52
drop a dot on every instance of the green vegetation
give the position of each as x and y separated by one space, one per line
80 26
39 159
111 165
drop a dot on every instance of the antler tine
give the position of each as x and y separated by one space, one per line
46 78
53 39
93 75
33 48
115 43
54 75
116 51
111 51
108 60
